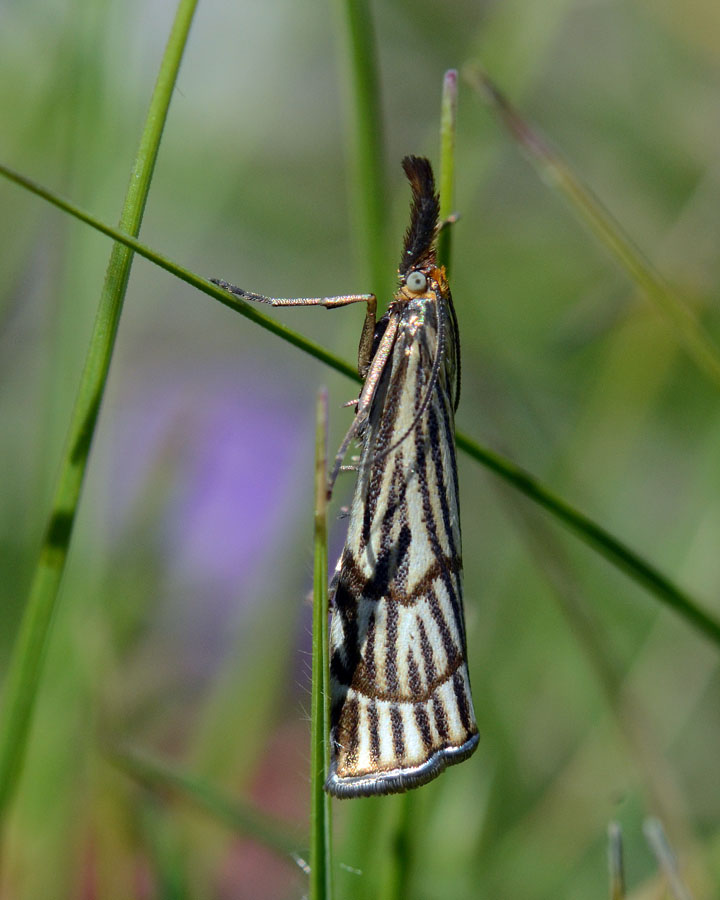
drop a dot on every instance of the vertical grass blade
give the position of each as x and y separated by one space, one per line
320 818
615 862
402 843
26 662
656 838
357 49
448 121
557 172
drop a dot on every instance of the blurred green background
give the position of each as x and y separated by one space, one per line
183 630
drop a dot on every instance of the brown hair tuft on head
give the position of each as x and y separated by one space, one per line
419 247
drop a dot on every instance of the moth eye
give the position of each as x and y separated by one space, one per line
416 281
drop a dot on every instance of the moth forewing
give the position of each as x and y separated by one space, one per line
401 709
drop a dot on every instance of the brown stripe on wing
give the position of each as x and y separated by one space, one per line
414 682
437 442
398 732
431 526
462 702
378 437
417 694
423 724
348 736
440 717
351 577
369 654
374 731
438 617
427 653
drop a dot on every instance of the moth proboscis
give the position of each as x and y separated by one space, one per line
401 707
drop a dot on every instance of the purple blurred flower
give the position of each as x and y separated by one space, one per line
220 451
238 472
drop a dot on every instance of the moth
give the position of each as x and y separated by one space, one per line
401 707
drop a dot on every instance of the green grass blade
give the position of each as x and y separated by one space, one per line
660 846
239 816
167 857
202 284
615 862
448 127
26 663
597 537
556 171
402 849
320 811
357 49
592 533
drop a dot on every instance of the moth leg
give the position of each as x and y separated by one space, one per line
367 336
368 329
372 377
369 367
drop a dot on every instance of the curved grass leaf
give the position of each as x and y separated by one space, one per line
556 171
357 49
26 662
614 550
596 537
240 816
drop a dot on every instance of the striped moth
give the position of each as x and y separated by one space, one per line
401 708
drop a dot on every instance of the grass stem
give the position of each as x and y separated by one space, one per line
320 809
25 669
556 171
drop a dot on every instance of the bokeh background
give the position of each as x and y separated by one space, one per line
183 630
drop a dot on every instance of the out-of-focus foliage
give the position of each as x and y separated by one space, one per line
184 627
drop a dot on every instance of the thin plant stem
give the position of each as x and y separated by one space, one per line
248 310
402 848
320 809
25 667
166 859
556 171
241 817
616 868
660 846
448 128
357 50
596 537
